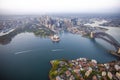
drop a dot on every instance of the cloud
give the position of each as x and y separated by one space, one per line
48 6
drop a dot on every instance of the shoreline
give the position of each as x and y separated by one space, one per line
114 53
2 33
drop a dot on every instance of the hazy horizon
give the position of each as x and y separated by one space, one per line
23 7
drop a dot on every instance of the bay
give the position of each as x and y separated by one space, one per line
27 56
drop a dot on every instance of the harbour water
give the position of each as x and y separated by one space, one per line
27 56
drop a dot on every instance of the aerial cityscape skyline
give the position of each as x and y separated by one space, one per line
58 6
59 39
78 48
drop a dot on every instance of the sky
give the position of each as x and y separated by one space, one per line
58 6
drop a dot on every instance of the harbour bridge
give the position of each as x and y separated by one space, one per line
108 38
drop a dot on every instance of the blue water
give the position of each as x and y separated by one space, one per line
27 57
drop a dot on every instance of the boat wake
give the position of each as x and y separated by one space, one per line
23 52
57 50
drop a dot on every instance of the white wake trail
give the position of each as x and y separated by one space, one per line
57 50
23 52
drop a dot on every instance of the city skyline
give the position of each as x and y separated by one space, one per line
58 6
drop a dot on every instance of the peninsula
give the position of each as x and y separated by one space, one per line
84 69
